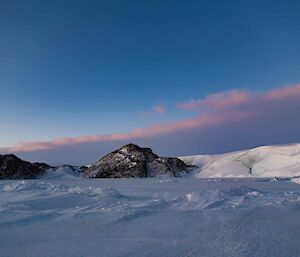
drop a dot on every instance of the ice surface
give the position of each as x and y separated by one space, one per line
149 217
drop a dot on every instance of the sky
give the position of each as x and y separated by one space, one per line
81 78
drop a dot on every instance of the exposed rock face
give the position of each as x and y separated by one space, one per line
12 167
134 161
83 168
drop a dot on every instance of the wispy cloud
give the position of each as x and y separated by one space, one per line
155 110
240 98
137 133
212 111
221 100
159 109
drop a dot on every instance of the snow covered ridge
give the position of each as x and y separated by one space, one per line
264 161
134 161
64 172
126 162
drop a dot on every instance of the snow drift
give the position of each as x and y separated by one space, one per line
152 217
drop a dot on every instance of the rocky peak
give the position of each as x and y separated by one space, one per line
135 150
12 167
134 161
9 157
131 148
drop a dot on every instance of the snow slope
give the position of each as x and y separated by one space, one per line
265 161
62 172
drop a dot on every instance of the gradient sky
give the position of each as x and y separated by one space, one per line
80 78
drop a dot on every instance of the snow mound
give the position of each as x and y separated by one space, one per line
62 172
45 198
295 180
43 188
239 197
265 161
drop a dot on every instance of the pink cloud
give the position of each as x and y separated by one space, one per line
239 98
214 110
159 109
155 110
218 101
283 93
155 130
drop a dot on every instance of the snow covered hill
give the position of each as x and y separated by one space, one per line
63 172
264 161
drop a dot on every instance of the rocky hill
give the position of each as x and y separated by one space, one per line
134 161
12 167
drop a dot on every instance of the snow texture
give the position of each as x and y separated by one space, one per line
149 217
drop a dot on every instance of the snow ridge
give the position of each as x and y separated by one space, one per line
264 161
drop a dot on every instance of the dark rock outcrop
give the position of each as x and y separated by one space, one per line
134 161
12 167
83 168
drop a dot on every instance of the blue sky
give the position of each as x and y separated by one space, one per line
80 68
